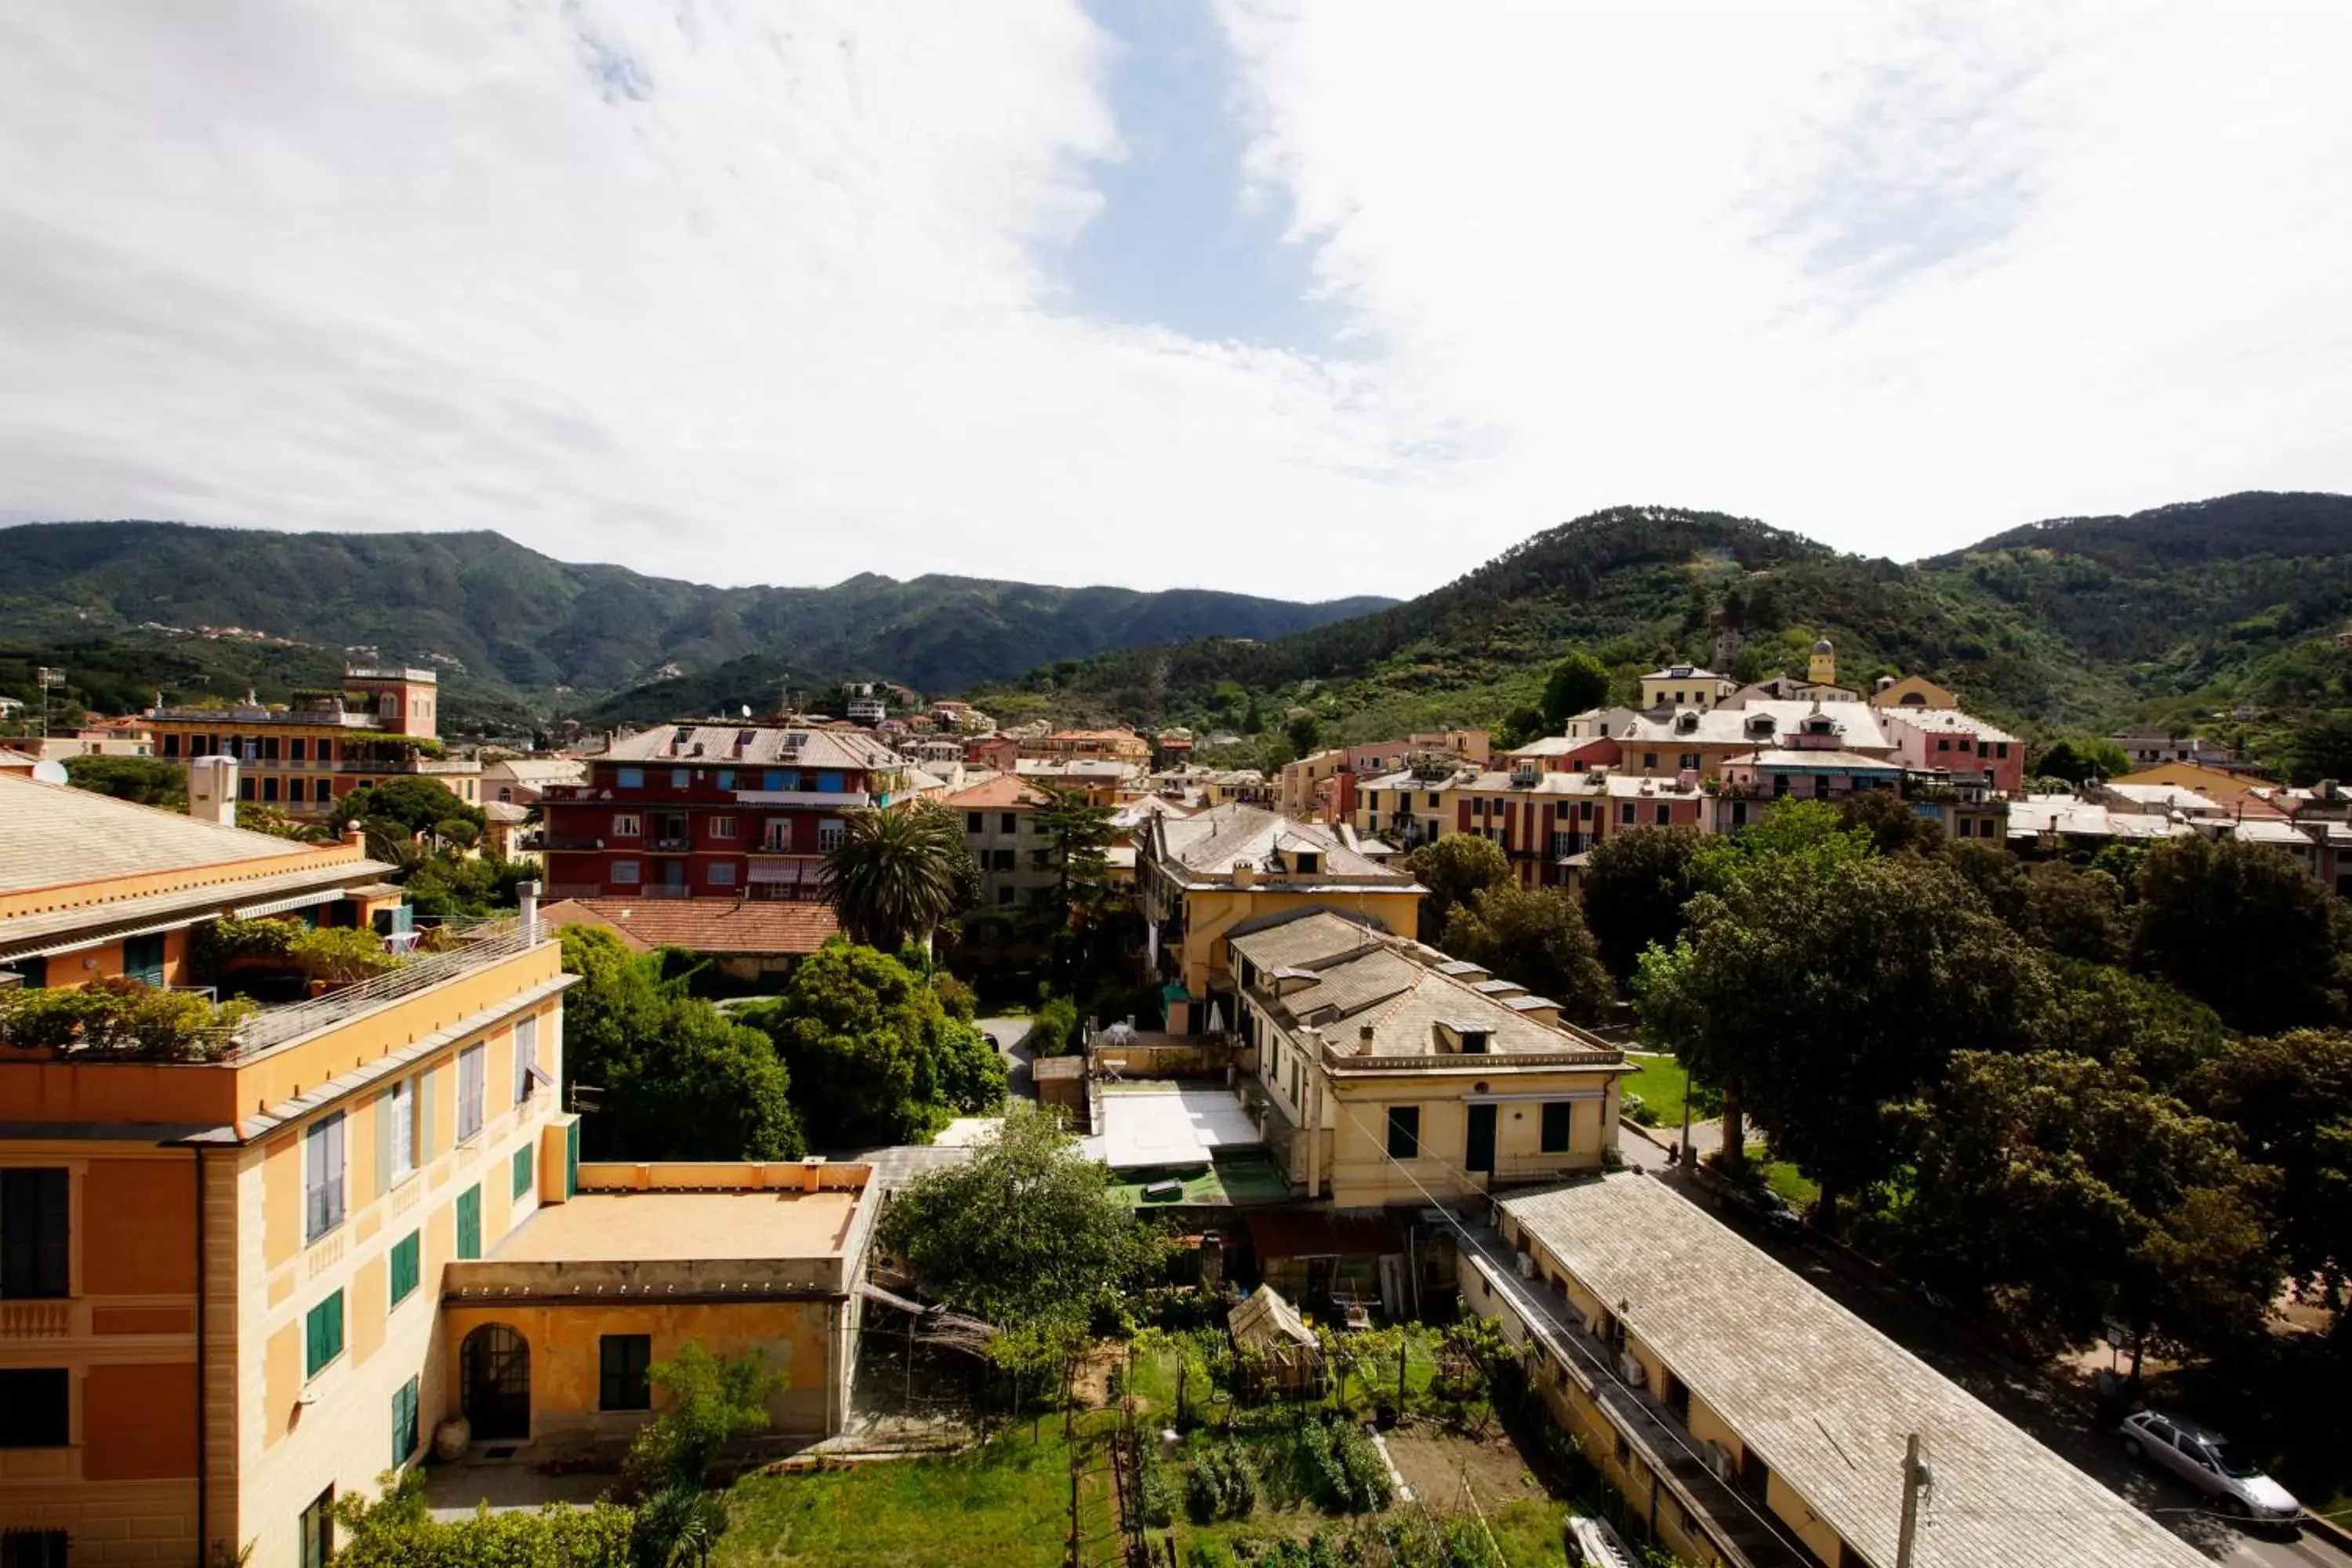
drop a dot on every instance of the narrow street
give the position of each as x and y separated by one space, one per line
2055 1415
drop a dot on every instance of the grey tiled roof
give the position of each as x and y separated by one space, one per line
767 743
1826 1400
53 834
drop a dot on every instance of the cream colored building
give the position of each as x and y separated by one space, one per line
1685 686
1391 1073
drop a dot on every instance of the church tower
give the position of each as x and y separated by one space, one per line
1824 666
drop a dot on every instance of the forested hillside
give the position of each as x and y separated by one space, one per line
513 629
2076 623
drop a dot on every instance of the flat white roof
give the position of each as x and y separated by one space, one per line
1151 1124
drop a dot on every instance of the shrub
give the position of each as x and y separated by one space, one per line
955 996
1055 1031
1345 1473
1636 1110
397 1532
120 1017
1159 1488
1222 1484
1211 1554
341 955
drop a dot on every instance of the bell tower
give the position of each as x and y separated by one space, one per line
1823 672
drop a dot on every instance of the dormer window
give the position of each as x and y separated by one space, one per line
1305 862
1474 1042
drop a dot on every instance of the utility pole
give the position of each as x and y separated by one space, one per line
47 678
1915 1482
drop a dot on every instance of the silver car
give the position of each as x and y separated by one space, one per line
2206 1461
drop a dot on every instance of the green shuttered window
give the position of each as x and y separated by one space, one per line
408 1257
322 1335
522 1170
403 1423
469 1222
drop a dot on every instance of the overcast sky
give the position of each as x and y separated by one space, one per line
1304 300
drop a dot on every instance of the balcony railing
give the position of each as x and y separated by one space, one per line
481 946
671 843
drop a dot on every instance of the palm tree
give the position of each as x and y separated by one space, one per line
894 875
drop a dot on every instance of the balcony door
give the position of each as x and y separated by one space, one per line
1480 1153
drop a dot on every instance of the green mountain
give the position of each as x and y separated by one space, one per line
516 632
2078 622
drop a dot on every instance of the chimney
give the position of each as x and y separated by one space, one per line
1364 1039
1244 874
355 836
211 790
526 897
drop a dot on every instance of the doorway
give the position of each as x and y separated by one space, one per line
1480 1156
494 1371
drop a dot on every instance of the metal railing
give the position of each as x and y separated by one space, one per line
485 944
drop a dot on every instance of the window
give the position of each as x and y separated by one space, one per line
522 1170
1432 800
171 745
398 1128
1006 860
1006 822
33 1548
318 1527
36 1409
322 1335
1690 761
1943 742
622 1363
628 825
829 835
975 822
269 748
322 1177
526 1056
407 1266
1555 1126
624 872
829 782
1665 814
2000 748
245 789
722 873
681 778
722 827
295 790
35 1233
630 778
469 1222
1405 1131
1625 812
1372 800
270 790
1650 761
1006 895
472 1063
403 1423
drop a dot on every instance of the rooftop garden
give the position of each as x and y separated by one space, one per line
238 966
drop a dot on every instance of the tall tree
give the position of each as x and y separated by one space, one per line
1536 937
2320 748
679 1080
149 781
2244 929
894 876
1634 887
2070 1192
1893 826
417 804
1076 838
1453 869
1575 683
2290 1099
1028 1232
1304 735
1819 995
874 1056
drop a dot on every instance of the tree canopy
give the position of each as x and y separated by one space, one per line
417 804
1453 868
1575 683
1635 885
2290 1099
1537 937
896 874
1027 1232
148 781
874 1056
2244 929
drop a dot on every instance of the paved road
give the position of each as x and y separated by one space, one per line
2057 1415
1011 1043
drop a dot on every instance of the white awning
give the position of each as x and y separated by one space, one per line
310 899
787 871
100 939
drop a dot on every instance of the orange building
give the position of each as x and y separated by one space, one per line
301 758
256 1254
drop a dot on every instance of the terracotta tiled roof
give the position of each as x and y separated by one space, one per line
1002 791
704 925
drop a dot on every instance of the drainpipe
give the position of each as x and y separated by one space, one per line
204 1467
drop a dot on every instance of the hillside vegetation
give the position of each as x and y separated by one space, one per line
512 630
2077 622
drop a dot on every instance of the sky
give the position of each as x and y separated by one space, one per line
1296 298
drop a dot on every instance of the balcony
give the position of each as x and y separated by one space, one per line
669 843
571 841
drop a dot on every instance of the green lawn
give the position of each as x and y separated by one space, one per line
1791 1183
1662 1083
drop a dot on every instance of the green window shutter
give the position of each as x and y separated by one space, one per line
384 1142
324 1334
469 1222
572 1159
403 1423
405 1267
425 1082
522 1170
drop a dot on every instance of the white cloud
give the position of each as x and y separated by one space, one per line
770 292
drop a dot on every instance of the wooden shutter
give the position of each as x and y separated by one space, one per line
424 1145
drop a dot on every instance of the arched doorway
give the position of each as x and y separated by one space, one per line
494 1375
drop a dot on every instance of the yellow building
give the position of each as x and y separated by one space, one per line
257 1241
1911 691
1198 877
1749 1420
1685 686
301 758
1391 1074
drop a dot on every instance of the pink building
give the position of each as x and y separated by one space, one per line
1948 738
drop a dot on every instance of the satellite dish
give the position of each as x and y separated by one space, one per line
747 709
49 771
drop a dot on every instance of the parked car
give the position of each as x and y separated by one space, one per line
2206 1460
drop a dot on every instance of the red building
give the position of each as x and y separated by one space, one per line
713 811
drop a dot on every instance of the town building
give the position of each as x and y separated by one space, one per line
755 941
2148 748
1198 877
700 810
1001 830
520 780
1911 692
1685 686
1101 780
1544 822
1945 738
1299 789
865 703
259 1256
1120 745
324 743
1663 1343
1386 1072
